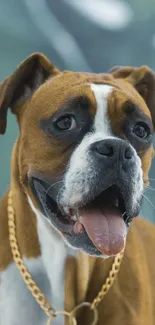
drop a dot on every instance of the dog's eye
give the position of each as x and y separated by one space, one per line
65 123
141 130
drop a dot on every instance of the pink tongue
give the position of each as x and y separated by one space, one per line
106 229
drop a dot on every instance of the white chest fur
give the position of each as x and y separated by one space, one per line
17 306
54 252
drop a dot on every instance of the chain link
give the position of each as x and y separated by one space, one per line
32 286
109 281
34 289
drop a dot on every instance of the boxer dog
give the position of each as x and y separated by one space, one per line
78 172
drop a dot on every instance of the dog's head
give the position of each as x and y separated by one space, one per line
85 147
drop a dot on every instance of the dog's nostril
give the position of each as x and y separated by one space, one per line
114 149
104 149
127 153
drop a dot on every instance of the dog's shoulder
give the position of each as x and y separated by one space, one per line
140 246
144 232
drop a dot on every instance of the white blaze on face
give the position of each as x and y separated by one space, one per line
80 167
101 122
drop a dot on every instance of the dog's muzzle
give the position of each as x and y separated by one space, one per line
93 211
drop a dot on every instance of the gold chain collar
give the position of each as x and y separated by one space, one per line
34 289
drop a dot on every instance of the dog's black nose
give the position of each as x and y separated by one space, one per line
115 149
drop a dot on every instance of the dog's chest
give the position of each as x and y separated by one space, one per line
17 306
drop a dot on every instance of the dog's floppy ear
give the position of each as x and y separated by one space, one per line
143 79
19 86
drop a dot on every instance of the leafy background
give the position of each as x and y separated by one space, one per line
85 35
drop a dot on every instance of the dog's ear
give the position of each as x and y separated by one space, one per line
19 86
143 79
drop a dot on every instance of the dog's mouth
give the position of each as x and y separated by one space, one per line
104 219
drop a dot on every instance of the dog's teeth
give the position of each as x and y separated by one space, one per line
116 202
74 218
66 209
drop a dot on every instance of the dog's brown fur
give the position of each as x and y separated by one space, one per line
34 92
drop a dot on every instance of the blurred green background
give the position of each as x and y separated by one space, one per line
86 35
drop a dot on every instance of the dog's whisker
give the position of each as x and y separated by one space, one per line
150 188
62 163
58 195
150 179
149 201
52 186
128 217
141 152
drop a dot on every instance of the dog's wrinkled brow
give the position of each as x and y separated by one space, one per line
134 111
71 106
74 103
